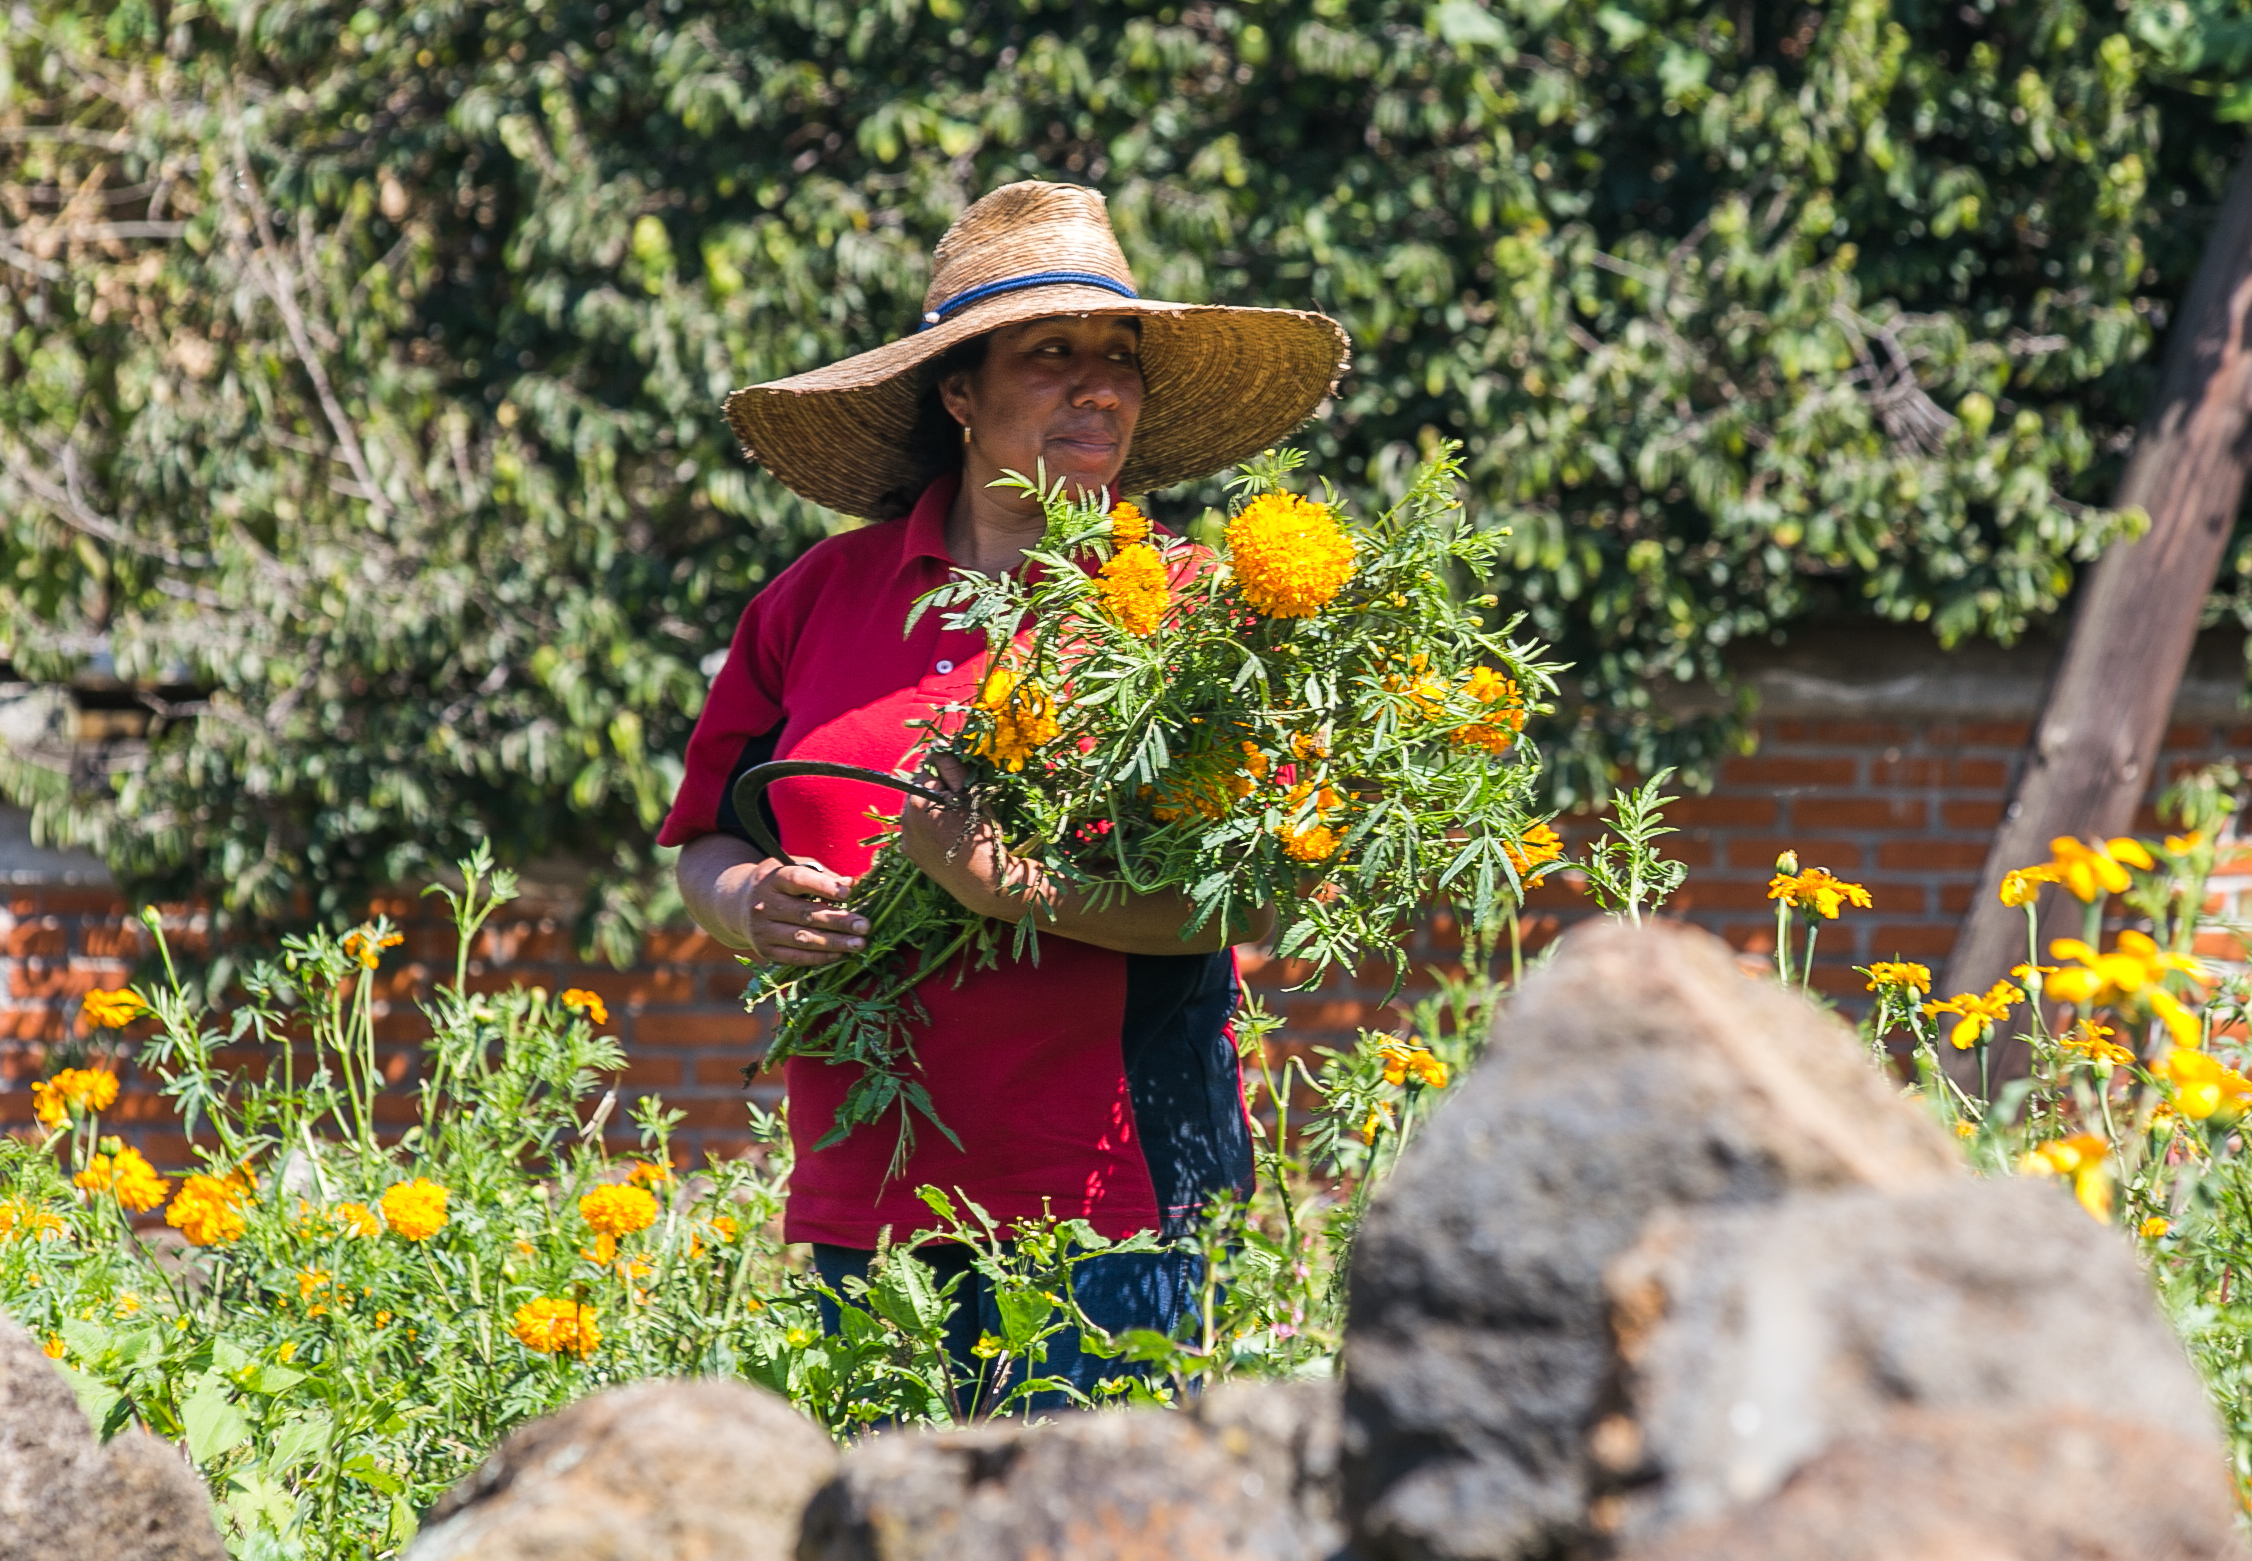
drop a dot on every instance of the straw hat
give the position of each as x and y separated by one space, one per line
1222 383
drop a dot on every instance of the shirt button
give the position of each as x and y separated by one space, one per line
946 666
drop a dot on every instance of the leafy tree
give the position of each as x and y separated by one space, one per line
359 364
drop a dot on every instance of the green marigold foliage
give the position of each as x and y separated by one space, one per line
360 363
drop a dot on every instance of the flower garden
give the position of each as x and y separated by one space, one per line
336 1322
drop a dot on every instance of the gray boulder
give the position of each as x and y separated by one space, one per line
1641 1071
1752 1343
702 1470
64 1494
1248 1473
1991 1485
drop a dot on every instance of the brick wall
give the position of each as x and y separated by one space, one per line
1878 758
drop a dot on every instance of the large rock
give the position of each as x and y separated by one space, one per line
1753 1343
1641 1071
63 1494
1247 1474
1995 1485
702 1470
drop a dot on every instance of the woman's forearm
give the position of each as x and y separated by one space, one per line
714 872
1150 924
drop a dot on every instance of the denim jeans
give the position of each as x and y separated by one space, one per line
1117 1291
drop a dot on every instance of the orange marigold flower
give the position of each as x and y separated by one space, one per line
415 1210
54 1348
2095 1040
1133 589
1818 890
1024 719
1290 556
2154 1227
1128 525
112 1010
21 1217
2204 1087
1402 1060
2023 885
357 1219
207 1210
553 1326
650 1172
1539 844
1899 973
618 1210
72 1089
2086 1159
579 1000
366 947
1976 1016
127 1174
2128 976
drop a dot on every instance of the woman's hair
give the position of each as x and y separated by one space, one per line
934 443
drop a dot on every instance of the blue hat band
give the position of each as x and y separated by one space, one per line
1019 283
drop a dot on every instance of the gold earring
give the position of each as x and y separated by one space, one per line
965 433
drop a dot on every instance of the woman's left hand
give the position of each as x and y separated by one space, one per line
961 850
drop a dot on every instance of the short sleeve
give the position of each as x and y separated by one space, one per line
745 702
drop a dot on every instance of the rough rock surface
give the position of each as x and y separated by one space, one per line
1247 1474
702 1470
1753 1342
64 1494
1640 1071
1998 1485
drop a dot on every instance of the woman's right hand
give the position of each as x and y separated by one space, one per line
795 915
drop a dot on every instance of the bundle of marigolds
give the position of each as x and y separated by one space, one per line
1312 718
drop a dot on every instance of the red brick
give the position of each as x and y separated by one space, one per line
2183 735
1857 813
27 939
57 900
1981 814
1908 940
61 981
1757 853
1782 729
1864 734
696 1027
1720 894
1994 734
1790 771
1723 809
524 943
1341 1015
652 1072
1932 856
105 940
724 1072
685 946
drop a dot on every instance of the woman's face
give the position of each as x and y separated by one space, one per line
1064 392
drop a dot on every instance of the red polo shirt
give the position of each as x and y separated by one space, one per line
1094 1084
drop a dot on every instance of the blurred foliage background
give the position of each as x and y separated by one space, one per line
359 364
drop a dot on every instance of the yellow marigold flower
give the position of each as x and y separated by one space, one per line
1499 730
1316 841
579 1000
112 1010
1289 555
73 1089
287 1352
366 947
2154 1227
2203 1087
2022 886
207 1210
1538 845
554 1326
2184 845
311 1279
1900 973
1817 890
2095 1040
1128 525
127 1174
54 1348
128 1305
1306 747
1379 1118
357 1219
1134 590
1966 1129
2093 871
415 1210
724 1224
22 1217
1024 719
1977 1015
2128 975
2086 1159
618 1210
650 1172
1401 1060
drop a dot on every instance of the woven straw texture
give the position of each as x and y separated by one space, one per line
1220 383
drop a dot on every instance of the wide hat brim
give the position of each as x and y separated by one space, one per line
1220 384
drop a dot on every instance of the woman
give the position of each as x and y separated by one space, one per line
1101 1082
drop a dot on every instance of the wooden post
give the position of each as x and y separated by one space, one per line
2095 745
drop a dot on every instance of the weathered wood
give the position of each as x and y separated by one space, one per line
2095 746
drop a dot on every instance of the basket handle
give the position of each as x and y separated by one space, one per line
753 783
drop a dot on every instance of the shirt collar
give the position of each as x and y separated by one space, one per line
926 522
